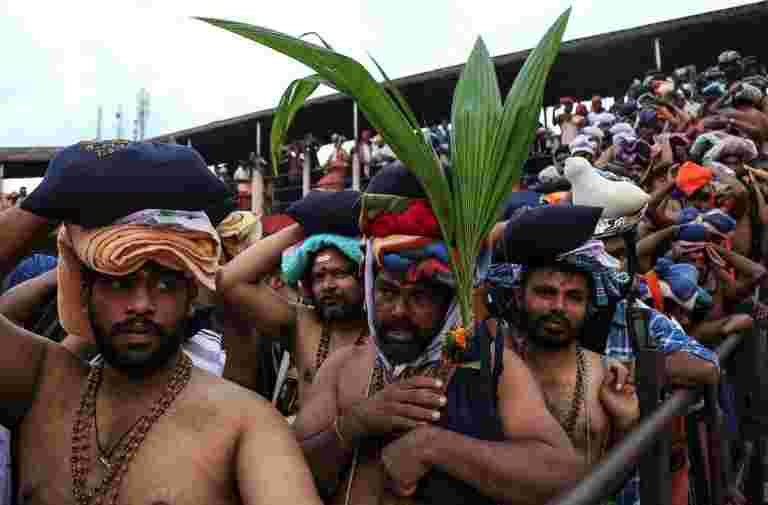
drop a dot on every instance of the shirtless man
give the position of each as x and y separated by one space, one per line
142 426
594 405
391 423
333 320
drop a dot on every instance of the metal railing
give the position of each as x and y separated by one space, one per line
608 475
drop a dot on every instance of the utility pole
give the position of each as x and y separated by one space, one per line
98 123
142 113
119 117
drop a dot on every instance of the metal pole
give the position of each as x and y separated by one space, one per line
657 52
305 174
2 177
354 120
257 192
355 171
258 139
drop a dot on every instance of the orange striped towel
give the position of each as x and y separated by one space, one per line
189 244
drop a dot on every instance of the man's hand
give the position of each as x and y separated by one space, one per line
618 397
398 407
737 323
404 460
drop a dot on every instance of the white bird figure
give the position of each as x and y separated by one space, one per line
618 198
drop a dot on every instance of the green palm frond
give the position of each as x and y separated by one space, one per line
490 140
292 100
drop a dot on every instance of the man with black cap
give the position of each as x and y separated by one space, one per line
549 290
141 425
430 413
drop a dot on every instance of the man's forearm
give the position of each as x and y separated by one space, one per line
517 471
20 303
326 456
260 259
18 229
685 369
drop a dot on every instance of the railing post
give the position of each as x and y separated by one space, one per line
650 380
715 444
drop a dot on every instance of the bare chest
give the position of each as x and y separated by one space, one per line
580 412
181 459
316 342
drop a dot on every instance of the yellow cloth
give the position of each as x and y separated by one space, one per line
123 249
239 230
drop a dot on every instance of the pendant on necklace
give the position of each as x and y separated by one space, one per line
105 462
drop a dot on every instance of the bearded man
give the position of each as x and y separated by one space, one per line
142 425
327 267
418 417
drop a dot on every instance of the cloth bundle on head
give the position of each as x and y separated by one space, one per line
610 282
678 282
409 244
731 145
95 183
603 120
297 260
618 197
749 93
682 249
622 129
631 150
698 226
692 177
567 100
35 265
583 144
179 240
593 132
239 230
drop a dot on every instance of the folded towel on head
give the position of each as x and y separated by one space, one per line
179 240
692 177
239 230
297 259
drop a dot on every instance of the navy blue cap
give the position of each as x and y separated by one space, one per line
95 183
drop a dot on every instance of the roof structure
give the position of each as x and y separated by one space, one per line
602 64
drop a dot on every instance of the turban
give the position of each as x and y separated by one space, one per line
692 177
731 145
749 93
297 260
677 282
239 230
582 144
180 240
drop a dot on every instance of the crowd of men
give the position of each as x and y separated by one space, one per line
176 350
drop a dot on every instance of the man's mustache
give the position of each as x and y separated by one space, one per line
556 318
137 326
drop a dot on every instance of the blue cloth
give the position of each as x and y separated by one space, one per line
296 262
93 184
35 265
473 414
682 278
668 333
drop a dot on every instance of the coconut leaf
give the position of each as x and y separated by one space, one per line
326 44
401 101
292 100
351 78
490 142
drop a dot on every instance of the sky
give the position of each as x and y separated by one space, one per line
62 60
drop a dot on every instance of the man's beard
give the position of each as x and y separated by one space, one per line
129 363
402 342
541 338
339 311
